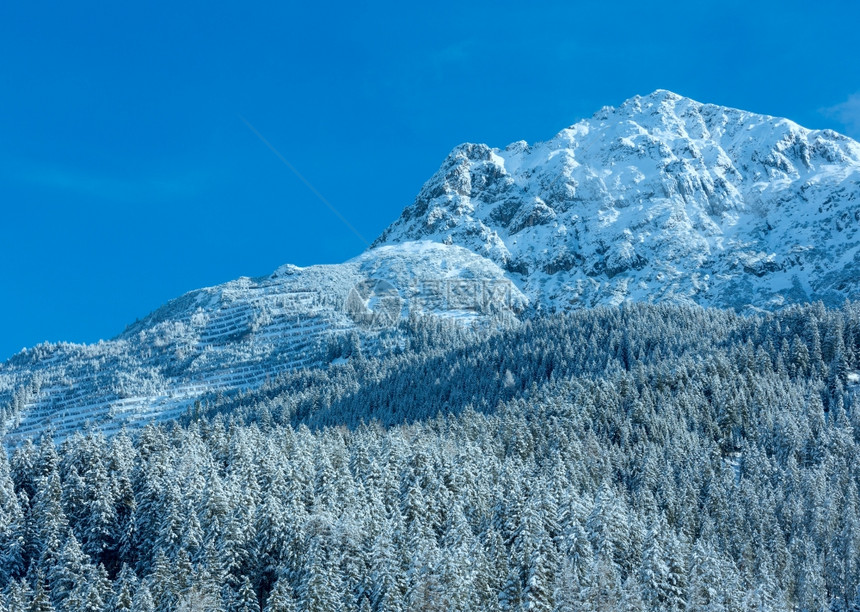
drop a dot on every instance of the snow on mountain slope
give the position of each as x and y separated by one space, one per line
662 198
239 334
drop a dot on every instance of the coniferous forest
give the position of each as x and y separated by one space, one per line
636 458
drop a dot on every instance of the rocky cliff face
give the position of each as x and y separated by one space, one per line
662 198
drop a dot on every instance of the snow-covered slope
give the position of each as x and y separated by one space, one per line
662 198
238 335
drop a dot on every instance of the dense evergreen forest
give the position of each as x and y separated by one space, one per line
636 458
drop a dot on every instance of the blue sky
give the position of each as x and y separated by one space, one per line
128 177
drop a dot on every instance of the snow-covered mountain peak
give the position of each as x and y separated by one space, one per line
659 198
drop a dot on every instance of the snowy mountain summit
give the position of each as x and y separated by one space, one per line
662 198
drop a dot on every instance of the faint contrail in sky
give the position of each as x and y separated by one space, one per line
305 181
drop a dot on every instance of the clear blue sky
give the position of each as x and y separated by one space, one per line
127 176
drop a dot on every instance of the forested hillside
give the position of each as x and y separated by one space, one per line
636 458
